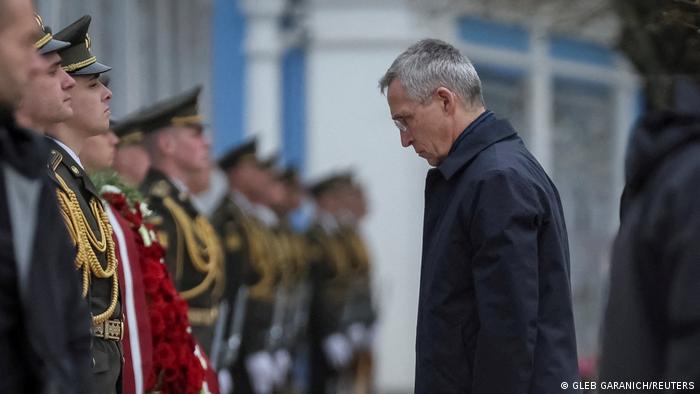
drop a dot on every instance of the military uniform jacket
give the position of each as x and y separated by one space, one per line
193 252
360 308
250 257
330 275
89 228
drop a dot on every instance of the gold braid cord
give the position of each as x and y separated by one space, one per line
86 241
202 246
259 257
361 252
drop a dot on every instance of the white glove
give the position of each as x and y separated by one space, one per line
225 382
261 369
338 350
357 333
283 361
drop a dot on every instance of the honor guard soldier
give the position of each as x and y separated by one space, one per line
81 206
175 140
252 254
131 159
331 349
284 193
360 315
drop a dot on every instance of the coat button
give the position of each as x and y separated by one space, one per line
75 170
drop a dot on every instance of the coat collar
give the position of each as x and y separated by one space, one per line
483 132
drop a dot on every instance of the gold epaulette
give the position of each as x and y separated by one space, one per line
56 158
160 189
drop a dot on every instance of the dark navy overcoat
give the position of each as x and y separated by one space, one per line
495 311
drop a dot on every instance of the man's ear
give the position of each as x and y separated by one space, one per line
447 99
165 142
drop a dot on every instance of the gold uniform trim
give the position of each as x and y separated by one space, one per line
202 316
77 66
87 242
43 41
56 159
203 248
185 120
132 138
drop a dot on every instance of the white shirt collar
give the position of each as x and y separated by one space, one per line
180 185
327 221
266 215
70 152
243 202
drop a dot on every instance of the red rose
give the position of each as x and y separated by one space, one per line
157 325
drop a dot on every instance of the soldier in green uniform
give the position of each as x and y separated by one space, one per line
359 316
253 255
81 207
174 137
284 197
331 350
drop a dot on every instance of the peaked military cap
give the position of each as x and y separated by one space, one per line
330 183
271 162
238 154
128 130
46 44
290 175
77 58
180 110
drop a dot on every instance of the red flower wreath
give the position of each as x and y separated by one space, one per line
177 362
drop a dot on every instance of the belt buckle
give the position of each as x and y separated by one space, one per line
113 330
98 330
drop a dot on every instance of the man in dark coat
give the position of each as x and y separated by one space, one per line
44 330
651 331
495 313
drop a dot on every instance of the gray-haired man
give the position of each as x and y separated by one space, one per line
494 312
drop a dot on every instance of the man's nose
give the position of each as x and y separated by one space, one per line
405 139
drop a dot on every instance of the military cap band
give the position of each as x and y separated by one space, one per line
186 120
77 66
43 40
131 138
47 44
77 58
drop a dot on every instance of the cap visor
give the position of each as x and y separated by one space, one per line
94 68
53 46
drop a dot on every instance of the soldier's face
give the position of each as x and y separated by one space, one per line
132 163
191 149
90 102
47 99
17 51
98 151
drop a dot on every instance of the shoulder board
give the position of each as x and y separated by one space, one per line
160 189
56 158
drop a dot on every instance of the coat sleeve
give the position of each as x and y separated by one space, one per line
681 256
504 231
